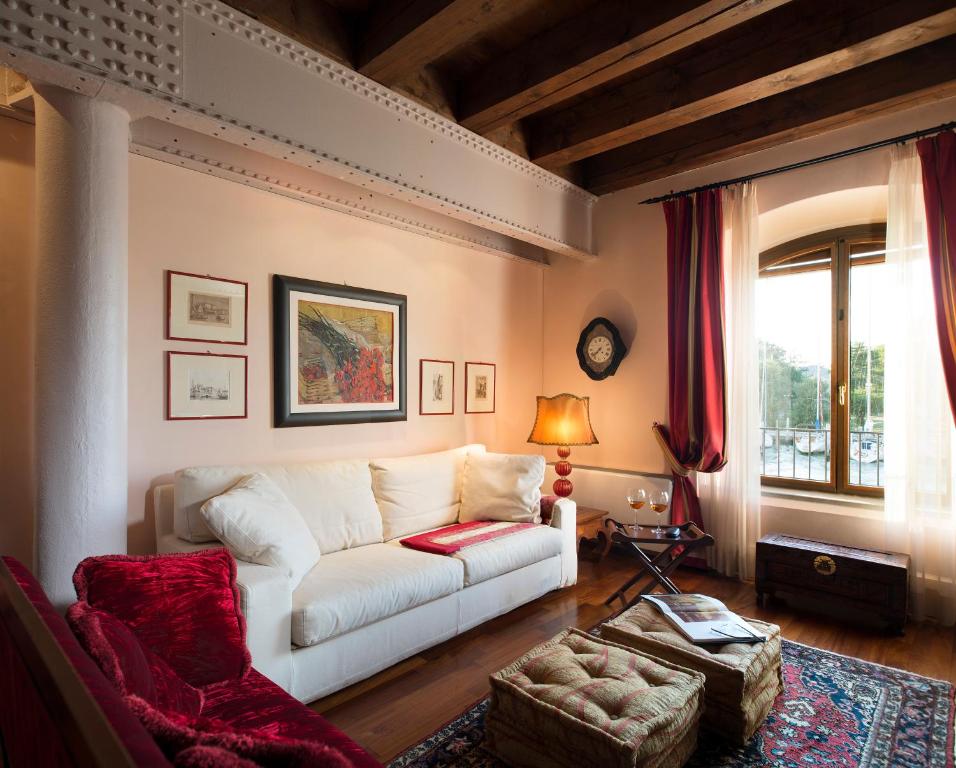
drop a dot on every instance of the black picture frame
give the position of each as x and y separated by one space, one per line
283 415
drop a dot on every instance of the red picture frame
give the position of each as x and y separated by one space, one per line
169 308
421 386
494 384
245 386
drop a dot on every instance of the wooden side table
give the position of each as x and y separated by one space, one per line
591 537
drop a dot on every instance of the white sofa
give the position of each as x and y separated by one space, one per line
369 602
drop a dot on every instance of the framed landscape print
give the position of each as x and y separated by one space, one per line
339 354
200 385
436 387
479 387
204 308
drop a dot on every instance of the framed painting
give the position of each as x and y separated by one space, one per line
479 387
204 308
339 354
201 385
436 387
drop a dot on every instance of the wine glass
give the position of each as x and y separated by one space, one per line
636 498
660 501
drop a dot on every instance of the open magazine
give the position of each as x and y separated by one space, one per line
702 619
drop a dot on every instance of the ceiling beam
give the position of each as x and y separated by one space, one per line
401 38
611 39
314 23
774 54
904 81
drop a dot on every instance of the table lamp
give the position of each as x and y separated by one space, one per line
562 420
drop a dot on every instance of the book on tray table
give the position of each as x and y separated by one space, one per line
704 620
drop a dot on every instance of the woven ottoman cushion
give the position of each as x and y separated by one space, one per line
742 679
580 700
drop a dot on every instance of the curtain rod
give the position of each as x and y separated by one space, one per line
805 163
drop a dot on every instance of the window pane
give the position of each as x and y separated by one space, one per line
868 300
794 317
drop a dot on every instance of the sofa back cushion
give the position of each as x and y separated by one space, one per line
258 524
334 498
415 493
128 664
502 486
184 607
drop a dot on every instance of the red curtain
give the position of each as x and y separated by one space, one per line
694 437
937 155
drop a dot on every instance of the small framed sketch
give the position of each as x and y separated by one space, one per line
479 387
436 387
203 308
201 385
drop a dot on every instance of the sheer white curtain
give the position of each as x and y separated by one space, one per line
920 439
730 499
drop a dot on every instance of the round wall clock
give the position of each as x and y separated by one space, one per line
600 349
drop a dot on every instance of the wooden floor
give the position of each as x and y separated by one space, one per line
404 704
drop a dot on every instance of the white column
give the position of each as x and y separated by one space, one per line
82 171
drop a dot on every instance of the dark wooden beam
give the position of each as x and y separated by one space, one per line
314 23
919 76
401 38
609 40
778 52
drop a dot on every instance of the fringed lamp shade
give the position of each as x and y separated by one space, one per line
563 420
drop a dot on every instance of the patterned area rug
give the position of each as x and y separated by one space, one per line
835 711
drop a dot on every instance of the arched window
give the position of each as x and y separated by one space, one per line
820 327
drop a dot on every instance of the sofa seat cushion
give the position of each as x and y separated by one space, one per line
509 553
355 587
176 733
257 704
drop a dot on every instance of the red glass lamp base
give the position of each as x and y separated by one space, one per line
562 486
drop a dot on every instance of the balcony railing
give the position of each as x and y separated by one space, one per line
804 454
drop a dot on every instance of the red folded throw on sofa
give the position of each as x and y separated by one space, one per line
452 538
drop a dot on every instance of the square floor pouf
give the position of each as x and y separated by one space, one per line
578 700
742 679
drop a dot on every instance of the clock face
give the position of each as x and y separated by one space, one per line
600 349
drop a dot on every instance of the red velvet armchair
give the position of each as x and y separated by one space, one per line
134 692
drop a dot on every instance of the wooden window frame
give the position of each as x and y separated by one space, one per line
837 244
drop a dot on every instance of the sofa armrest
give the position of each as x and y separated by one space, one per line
265 595
564 518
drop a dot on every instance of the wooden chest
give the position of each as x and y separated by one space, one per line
837 576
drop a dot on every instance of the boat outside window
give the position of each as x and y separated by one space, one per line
821 337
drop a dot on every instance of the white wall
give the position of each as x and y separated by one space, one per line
628 285
462 305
